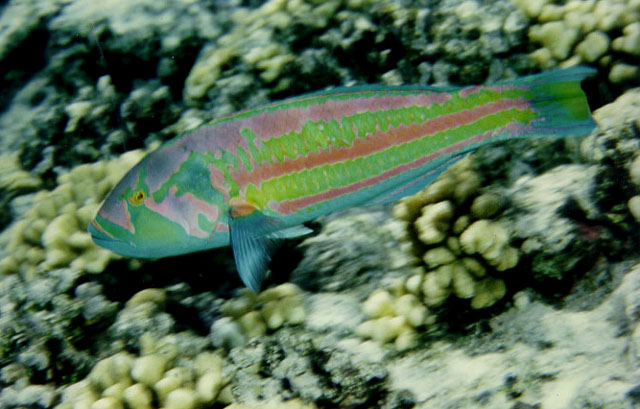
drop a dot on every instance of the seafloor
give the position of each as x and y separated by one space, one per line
512 282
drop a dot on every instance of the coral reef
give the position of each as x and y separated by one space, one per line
273 404
463 250
70 93
165 374
634 173
13 177
48 327
252 315
53 233
549 238
14 181
271 40
507 367
603 32
614 147
459 249
394 319
295 363
144 313
137 382
536 339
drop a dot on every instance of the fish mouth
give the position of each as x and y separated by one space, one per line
99 236
106 241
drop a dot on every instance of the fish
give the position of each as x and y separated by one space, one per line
253 178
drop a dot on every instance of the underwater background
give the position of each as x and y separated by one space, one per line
513 281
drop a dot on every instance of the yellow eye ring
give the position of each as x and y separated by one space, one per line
137 197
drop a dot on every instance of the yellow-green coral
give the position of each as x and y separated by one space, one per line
586 31
460 244
459 248
491 241
53 233
250 38
164 375
13 177
634 202
393 319
269 309
253 40
125 380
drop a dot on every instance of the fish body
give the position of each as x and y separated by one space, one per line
254 177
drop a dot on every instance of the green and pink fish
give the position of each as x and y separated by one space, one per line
254 177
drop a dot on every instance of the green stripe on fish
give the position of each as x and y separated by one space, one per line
252 178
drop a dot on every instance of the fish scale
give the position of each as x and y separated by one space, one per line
252 178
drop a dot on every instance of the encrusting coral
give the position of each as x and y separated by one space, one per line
53 233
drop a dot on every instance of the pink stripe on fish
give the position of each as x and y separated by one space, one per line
121 217
184 210
277 123
465 92
374 143
163 163
269 124
217 181
292 206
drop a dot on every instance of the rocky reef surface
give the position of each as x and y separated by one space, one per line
511 282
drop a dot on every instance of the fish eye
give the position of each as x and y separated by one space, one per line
137 197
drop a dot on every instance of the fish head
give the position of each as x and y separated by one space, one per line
122 222
137 220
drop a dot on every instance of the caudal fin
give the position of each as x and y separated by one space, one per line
560 102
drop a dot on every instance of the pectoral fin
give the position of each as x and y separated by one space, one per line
254 238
